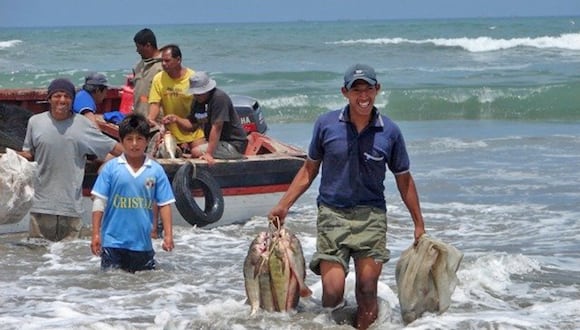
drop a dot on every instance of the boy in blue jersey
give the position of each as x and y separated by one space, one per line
124 193
354 146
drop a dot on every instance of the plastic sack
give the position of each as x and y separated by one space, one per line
18 177
426 277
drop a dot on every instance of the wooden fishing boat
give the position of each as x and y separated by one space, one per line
230 191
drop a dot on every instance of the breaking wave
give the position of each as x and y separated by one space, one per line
9 43
567 41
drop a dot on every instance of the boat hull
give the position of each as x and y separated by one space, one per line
238 210
35 99
248 186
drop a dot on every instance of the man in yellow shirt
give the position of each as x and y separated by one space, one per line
169 91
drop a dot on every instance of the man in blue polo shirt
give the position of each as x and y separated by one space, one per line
355 146
91 94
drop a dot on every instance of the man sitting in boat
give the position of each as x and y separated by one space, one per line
91 94
169 92
214 112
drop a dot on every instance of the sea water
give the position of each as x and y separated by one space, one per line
490 110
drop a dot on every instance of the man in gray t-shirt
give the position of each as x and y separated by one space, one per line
59 141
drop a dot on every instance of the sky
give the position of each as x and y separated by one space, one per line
34 13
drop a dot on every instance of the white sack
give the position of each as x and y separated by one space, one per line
18 177
426 277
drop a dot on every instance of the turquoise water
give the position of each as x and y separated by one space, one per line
490 110
517 69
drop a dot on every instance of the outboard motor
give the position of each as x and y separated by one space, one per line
250 113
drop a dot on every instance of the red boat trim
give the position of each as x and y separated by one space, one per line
232 192
255 190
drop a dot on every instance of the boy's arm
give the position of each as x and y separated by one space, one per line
165 213
154 233
98 210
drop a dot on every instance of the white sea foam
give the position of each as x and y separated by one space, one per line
283 102
487 68
9 43
448 144
569 41
500 192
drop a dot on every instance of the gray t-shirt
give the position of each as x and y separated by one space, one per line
60 147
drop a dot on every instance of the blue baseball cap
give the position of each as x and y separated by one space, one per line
362 72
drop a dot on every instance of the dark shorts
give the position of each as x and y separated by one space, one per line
127 260
358 232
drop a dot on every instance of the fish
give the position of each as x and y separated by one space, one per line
256 270
166 144
168 148
298 264
274 272
287 270
266 297
280 279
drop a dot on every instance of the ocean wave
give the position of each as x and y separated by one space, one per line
557 102
447 144
567 41
287 101
9 43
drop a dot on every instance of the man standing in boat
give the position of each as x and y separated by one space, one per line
169 93
91 95
60 140
214 112
145 70
354 146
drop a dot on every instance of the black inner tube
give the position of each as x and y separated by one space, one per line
185 184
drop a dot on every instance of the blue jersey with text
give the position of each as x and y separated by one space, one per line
128 218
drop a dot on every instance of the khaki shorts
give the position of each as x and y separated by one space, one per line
358 232
224 150
54 227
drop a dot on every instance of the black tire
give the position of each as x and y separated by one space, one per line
184 183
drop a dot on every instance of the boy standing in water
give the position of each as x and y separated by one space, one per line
124 192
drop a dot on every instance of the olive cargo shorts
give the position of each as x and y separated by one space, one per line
358 232
54 227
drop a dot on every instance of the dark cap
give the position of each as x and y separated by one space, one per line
359 71
61 85
96 79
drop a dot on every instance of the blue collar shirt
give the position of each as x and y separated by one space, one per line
354 163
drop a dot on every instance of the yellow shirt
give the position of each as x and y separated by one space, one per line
171 94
